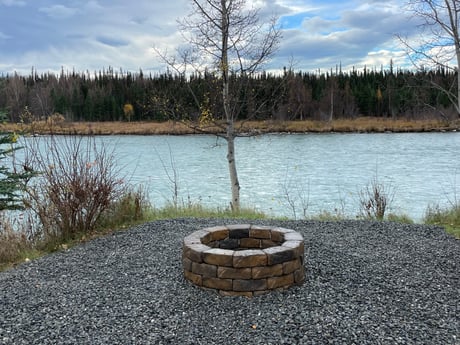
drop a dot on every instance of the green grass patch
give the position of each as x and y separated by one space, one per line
448 218
327 216
131 209
399 218
171 211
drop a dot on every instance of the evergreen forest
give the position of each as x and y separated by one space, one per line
110 95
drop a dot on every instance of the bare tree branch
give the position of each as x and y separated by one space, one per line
439 42
232 43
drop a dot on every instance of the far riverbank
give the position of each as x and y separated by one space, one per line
359 125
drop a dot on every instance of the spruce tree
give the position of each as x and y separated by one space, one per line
12 183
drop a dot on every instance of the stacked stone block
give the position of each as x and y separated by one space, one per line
244 260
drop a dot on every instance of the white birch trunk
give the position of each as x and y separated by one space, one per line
230 135
235 184
457 51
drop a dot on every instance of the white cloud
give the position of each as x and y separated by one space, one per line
334 33
59 11
299 6
383 58
98 33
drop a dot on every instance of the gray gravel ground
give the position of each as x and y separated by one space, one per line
367 283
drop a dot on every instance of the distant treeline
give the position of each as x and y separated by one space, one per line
112 96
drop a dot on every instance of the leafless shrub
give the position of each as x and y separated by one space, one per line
78 181
173 176
26 116
297 196
375 199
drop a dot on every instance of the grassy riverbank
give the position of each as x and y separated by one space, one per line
360 125
15 249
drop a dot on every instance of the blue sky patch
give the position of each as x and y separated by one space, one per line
293 21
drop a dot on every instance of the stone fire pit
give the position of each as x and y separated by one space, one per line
244 260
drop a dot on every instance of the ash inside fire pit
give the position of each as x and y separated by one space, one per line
244 260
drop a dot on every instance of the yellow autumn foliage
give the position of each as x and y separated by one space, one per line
128 110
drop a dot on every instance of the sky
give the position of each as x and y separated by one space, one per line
92 35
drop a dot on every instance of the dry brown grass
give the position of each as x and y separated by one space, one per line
362 124
13 244
99 128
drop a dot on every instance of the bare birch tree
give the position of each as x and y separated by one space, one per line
438 44
228 39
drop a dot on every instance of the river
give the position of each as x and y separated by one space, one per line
294 175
